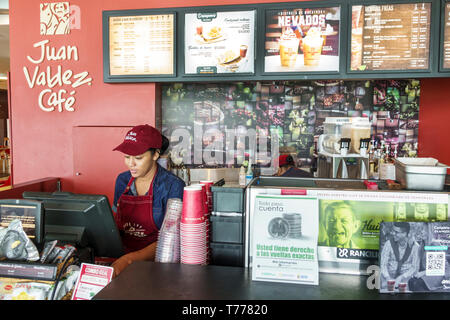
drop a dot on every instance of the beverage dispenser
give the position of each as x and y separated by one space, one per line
330 140
343 148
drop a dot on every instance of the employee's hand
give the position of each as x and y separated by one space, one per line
120 264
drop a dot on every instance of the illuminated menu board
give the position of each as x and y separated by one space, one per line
141 45
302 40
446 48
390 37
220 42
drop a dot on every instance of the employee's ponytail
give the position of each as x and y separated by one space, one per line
164 146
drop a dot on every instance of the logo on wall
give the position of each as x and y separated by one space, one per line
59 83
55 18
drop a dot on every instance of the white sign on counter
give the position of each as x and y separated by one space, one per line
284 239
91 280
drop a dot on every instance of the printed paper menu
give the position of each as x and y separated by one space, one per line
446 53
219 42
91 280
142 45
302 40
390 37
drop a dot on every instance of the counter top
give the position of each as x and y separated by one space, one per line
328 183
170 281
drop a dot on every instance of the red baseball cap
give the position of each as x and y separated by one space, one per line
285 159
139 140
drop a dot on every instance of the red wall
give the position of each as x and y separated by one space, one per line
42 142
434 119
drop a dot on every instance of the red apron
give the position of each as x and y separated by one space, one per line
135 219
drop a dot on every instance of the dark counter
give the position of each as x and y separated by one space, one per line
164 281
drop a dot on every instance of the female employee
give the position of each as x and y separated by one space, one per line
141 194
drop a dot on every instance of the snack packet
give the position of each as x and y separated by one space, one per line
15 244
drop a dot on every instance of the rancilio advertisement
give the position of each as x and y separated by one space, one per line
284 243
219 42
349 227
302 40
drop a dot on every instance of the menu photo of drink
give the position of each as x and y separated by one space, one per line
142 45
446 44
302 40
220 42
390 37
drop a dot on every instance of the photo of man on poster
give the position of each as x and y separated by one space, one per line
399 257
340 225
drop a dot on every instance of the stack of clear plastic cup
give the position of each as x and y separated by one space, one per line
168 247
209 200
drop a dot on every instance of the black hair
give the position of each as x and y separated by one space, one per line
289 161
402 225
164 146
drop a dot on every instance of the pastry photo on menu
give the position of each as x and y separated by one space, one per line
232 60
209 34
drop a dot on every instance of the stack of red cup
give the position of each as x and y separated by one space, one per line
193 231
206 215
209 195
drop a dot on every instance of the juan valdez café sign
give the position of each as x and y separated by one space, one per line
53 96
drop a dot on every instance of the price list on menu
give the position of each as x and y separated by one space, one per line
391 37
446 55
142 45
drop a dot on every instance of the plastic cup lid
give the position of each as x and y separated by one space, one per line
193 188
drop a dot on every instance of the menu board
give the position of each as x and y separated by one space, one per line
220 42
141 45
446 53
302 40
390 37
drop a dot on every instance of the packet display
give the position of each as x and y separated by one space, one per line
15 244
48 247
13 289
64 254
54 253
67 282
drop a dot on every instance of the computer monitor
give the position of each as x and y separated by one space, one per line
84 219
30 214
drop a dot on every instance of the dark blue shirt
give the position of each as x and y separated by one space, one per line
165 186
297 173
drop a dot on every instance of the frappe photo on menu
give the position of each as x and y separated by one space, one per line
288 48
312 47
302 40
